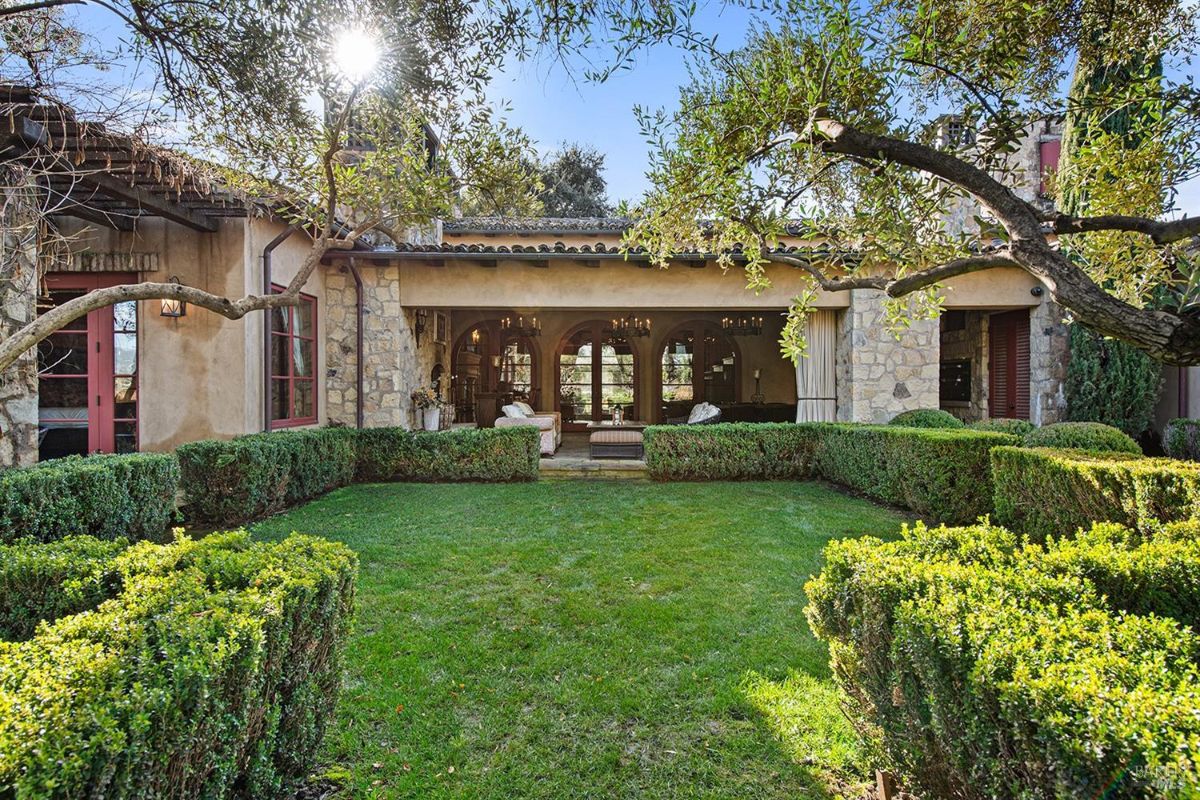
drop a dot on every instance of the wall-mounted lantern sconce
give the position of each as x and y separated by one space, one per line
171 307
420 322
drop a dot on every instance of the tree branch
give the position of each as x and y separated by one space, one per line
1160 232
10 11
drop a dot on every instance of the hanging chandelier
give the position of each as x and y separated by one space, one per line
631 326
520 328
742 326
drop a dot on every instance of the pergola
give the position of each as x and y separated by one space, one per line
107 178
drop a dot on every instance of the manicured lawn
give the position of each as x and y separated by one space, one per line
587 639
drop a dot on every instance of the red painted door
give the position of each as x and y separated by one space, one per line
1008 365
87 375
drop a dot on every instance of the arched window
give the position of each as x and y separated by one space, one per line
597 372
698 362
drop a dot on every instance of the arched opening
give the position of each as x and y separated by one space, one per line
697 362
597 371
487 361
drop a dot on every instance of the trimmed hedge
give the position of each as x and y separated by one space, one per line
943 475
1181 439
210 673
1082 436
981 669
730 451
1043 492
233 481
1017 427
927 418
106 496
45 581
480 454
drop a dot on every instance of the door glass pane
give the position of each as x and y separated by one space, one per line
62 417
124 398
616 376
575 378
124 353
63 354
125 437
125 316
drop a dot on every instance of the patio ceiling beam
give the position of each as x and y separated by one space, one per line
150 202
98 216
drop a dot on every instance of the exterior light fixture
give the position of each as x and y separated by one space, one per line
172 307
742 326
419 324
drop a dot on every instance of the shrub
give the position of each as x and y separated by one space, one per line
1181 439
943 475
730 451
927 418
983 669
1110 382
483 454
230 482
1082 436
106 496
45 581
1016 427
210 674
1044 492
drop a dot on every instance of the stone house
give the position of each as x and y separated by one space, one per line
482 309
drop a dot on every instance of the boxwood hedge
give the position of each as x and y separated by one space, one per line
1083 436
106 496
1044 492
209 672
927 418
47 580
981 668
233 481
730 451
480 454
942 474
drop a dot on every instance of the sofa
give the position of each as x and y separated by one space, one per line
548 423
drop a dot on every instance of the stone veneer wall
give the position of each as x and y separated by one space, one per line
970 343
878 376
19 383
394 364
1049 352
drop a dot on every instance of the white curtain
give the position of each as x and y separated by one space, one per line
816 388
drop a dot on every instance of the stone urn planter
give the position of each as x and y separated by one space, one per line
432 418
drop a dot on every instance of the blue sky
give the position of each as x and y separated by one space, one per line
554 104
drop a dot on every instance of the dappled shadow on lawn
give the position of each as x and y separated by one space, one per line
586 640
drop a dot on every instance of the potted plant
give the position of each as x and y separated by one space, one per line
567 401
426 400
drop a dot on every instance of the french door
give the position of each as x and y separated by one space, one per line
1008 365
87 375
596 371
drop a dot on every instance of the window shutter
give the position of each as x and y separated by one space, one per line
1008 365
1049 153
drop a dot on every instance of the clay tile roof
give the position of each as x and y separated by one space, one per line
536 225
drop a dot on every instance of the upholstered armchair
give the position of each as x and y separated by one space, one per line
548 423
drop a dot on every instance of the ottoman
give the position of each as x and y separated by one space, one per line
616 444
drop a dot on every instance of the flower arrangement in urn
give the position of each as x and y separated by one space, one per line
426 400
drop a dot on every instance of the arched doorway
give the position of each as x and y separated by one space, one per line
488 361
597 371
697 362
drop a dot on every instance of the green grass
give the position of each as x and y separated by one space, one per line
574 639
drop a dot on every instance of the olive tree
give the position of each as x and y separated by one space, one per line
827 114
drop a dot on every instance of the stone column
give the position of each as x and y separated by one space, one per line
18 296
1049 352
879 375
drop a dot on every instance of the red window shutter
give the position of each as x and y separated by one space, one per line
997 368
1008 365
1049 153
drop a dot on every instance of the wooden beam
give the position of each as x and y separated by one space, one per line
150 203
97 216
